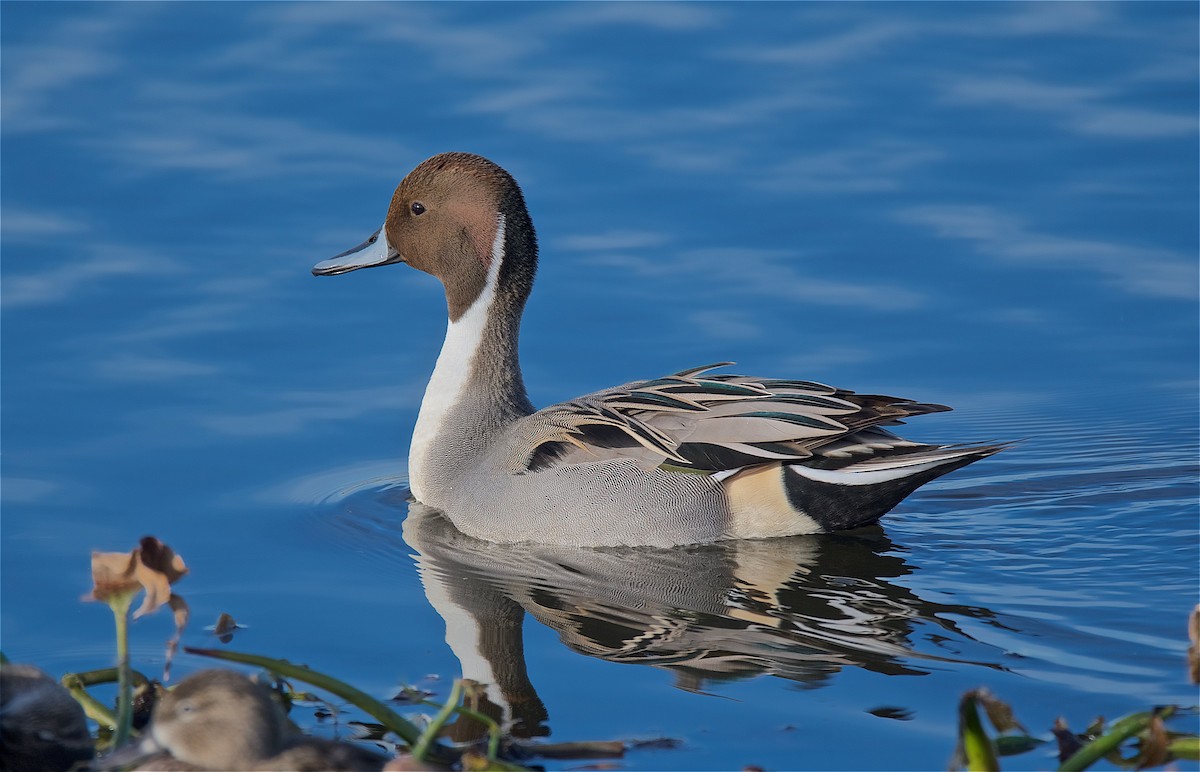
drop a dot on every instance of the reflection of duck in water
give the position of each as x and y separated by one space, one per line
800 608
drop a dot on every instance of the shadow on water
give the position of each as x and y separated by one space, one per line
800 608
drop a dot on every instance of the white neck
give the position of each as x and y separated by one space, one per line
452 371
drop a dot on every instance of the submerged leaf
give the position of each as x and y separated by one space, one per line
657 743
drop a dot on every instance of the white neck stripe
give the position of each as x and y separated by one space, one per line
453 369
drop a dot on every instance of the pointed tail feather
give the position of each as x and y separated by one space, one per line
859 494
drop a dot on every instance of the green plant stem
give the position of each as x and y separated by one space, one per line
978 751
435 727
120 607
495 733
1112 739
92 707
104 675
1185 748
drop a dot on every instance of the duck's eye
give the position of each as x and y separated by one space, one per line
418 207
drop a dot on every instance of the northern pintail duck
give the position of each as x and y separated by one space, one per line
686 458
222 720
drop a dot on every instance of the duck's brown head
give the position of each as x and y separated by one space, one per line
461 218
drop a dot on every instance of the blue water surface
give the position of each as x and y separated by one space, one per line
988 205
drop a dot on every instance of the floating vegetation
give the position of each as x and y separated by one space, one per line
1137 741
55 735
224 628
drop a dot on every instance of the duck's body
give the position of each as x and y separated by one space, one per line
687 458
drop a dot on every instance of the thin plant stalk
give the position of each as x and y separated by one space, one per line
120 607
92 707
104 675
495 733
435 727
1112 739
978 752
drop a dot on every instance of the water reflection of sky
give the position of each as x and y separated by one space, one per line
990 205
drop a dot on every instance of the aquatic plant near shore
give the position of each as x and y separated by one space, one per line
154 568
1156 746
117 578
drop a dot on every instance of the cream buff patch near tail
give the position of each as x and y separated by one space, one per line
759 507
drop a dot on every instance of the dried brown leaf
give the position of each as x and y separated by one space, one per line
656 744
112 575
1153 751
999 712
151 566
157 567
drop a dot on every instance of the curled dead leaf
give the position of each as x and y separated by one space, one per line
157 567
151 566
999 713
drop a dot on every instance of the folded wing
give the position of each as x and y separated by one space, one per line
701 422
